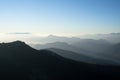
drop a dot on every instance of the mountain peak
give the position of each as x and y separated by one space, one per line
14 44
18 42
52 36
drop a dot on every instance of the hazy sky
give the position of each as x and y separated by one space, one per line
59 17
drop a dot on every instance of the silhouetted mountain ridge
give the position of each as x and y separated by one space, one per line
18 61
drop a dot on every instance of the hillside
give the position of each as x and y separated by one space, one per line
82 57
21 62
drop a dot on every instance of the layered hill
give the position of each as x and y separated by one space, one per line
21 62
83 58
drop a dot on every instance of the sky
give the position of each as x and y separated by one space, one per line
59 17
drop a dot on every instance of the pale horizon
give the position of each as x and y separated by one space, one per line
60 17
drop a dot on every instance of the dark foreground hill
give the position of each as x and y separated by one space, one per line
18 61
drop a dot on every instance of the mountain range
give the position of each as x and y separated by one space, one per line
75 44
100 49
111 38
21 62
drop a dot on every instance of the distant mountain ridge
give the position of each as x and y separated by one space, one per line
100 49
82 57
111 37
84 45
